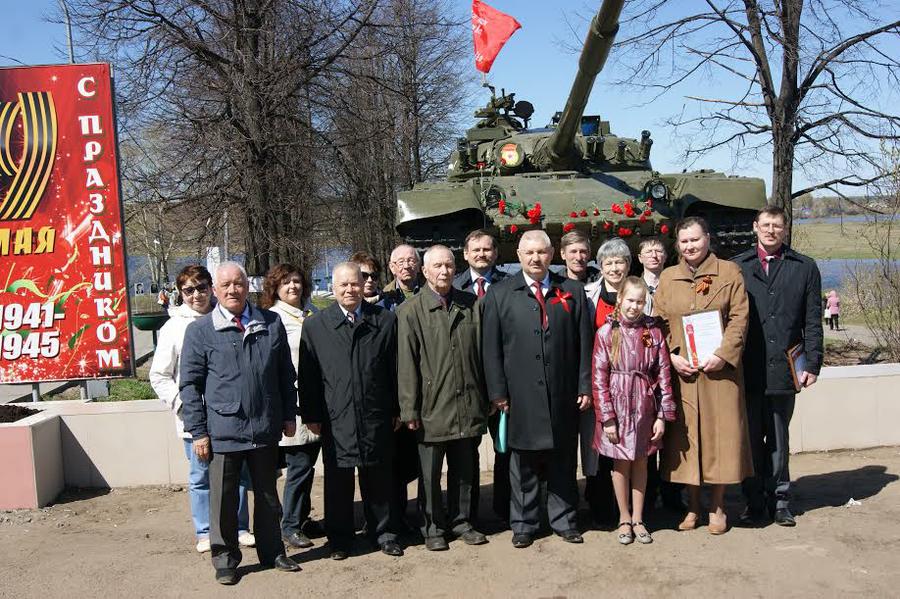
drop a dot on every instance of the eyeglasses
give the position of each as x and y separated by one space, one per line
406 262
201 288
369 275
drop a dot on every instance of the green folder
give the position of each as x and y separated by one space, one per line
500 441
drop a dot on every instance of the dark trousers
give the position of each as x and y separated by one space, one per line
669 491
224 477
405 470
768 418
526 470
461 478
300 461
599 494
500 503
375 488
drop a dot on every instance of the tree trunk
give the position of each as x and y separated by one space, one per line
783 175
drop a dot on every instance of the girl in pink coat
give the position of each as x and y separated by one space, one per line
632 401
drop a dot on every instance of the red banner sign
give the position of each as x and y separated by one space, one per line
63 287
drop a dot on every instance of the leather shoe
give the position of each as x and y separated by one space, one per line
520 540
784 517
297 539
752 518
227 576
473 537
436 544
285 564
391 548
338 554
571 536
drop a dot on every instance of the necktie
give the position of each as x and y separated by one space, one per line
479 287
238 323
351 318
767 262
539 296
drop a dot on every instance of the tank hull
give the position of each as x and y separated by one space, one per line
596 203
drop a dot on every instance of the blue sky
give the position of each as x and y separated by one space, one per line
532 64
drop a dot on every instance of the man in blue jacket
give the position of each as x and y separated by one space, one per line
785 292
237 387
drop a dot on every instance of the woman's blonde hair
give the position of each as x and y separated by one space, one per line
628 283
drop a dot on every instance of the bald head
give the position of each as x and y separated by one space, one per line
347 284
535 253
439 268
534 237
404 265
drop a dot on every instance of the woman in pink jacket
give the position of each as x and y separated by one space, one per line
833 305
632 401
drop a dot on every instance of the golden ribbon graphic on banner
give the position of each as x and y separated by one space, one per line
31 172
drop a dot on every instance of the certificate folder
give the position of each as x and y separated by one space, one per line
796 357
702 335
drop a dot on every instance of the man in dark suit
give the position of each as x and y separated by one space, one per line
236 383
480 252
537 360
348 382
785 292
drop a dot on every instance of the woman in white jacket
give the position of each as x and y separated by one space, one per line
194 284
286 292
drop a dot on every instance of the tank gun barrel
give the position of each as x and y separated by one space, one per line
597 45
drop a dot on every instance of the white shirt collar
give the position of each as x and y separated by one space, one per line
475 276
245 315
545 284
357 312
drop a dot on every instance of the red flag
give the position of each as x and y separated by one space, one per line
490 30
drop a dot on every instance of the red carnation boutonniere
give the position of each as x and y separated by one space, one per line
562 297
704 285
646 338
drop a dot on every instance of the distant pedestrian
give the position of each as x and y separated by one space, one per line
833 304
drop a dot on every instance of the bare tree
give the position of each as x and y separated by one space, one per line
810 81
228 82
394 111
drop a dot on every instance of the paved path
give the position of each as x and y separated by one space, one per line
143 347
857 332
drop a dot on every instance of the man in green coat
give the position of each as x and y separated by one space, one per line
442 395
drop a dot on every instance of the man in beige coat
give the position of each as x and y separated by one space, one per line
709 442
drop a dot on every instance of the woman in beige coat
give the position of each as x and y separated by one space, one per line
709 441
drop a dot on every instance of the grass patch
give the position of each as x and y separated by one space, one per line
129 390
834 240
322 302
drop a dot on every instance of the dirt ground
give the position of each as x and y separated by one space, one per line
138 543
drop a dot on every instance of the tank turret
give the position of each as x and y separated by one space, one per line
559 150
575 173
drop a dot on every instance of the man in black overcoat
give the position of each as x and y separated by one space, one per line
785 291
537 358
480 253
348 390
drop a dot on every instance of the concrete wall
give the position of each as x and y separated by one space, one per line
120 444
849 407
31 471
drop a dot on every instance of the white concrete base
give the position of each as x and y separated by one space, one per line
121 444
